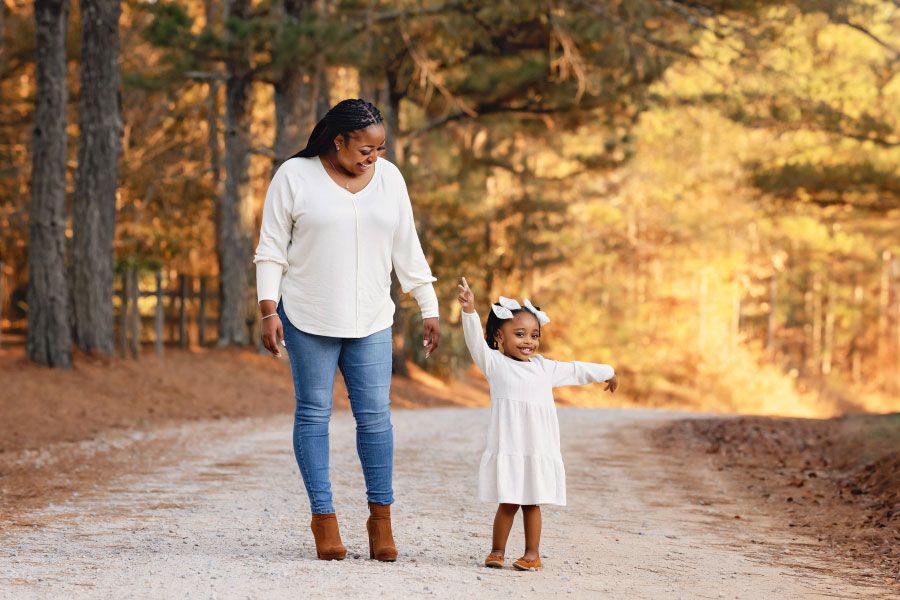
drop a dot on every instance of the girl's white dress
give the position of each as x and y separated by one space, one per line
522 463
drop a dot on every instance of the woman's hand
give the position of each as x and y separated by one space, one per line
466 297
432 335
270 330
612 384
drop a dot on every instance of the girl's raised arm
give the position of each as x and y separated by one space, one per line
478 348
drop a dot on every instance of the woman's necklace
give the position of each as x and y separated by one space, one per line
347 185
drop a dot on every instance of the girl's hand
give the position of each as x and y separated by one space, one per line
432 335
466 297
270 330
612 384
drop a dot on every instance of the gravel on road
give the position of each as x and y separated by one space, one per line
225 516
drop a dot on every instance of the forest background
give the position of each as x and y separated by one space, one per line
703 194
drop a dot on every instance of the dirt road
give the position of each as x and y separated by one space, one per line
222 514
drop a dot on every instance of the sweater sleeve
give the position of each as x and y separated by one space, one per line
482 355
577 373
268 281
274 235
427 300
409 261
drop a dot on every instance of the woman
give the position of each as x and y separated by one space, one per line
336 220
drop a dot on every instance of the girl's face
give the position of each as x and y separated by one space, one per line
359 152
519 337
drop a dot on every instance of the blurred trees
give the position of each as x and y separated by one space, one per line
704 193
812 160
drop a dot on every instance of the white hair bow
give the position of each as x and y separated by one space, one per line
507 305
542 317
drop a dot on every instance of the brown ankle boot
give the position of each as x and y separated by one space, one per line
328 537
381 540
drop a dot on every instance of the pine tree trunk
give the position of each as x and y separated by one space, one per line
702 310
293 111
895 267
391 114
211 9
321 92
884 295
237 203
816 353
606 293
770 330
828 350
49 338
856 352
94 221
2 297
735 327
806 350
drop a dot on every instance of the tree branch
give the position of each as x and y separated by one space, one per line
427 10
430 76
366 18
691 19
482 110
843 20
642 36
807 107
497 163
205 76
264 151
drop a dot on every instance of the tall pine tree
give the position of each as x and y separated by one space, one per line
49 338
94 222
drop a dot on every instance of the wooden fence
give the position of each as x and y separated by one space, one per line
180 315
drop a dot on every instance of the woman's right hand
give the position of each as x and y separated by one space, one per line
271 331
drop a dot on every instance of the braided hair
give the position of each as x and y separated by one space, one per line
344 117
494 323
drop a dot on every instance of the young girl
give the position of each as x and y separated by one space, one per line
521 465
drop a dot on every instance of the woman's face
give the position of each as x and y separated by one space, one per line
358 153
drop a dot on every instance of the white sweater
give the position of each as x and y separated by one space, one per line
328 253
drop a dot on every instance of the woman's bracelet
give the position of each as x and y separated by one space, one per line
267 316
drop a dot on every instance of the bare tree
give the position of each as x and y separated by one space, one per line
95 180
49 338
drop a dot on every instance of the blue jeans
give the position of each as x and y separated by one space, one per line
365 364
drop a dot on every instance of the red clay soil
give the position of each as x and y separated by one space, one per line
836 481
41 407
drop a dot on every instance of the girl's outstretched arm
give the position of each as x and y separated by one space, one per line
580 373
478 348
